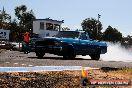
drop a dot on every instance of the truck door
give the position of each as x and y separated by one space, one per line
57 47
84 44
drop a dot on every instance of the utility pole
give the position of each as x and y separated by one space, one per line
98 24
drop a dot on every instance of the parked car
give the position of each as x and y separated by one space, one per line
6 45
69 44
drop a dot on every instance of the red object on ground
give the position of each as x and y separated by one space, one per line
26 37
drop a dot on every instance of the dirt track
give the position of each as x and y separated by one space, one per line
62 79
16 58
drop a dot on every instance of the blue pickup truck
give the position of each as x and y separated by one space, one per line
69 44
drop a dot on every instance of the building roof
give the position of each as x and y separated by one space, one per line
48 19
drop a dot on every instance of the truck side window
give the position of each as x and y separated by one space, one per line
84 36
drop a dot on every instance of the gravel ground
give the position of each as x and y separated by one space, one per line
56 79
38 80
16 58
63 79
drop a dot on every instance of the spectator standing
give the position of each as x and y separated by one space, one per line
26 41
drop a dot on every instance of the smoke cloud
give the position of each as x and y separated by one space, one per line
116 52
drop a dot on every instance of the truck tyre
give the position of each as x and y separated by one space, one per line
95 57
68 53
40 55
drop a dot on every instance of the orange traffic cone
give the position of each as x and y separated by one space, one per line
84 72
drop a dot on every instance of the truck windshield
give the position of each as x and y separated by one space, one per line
68 34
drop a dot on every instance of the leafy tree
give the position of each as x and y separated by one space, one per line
112 35
14 30
25 18
4 19
93 27
127 41
17 28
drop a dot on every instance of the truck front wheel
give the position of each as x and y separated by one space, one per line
40 55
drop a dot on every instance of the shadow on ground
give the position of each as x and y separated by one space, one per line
58 58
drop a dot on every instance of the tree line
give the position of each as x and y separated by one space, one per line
17 26
111 34
24 22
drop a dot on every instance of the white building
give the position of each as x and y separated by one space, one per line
4 34
46 27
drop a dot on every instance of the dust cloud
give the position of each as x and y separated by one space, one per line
115 52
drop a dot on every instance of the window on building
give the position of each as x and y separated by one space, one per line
41 25
4 33
49 26
56 27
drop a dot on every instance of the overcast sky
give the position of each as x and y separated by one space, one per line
117 13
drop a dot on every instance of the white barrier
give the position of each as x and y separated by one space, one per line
42 68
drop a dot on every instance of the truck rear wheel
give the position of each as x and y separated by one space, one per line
95 57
